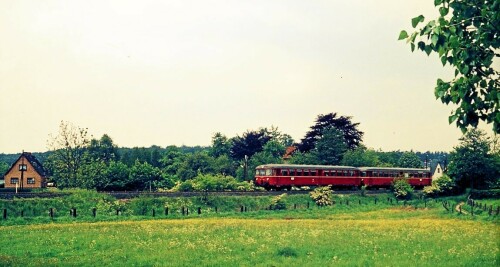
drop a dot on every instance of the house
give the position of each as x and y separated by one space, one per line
438 172
26 172
289 153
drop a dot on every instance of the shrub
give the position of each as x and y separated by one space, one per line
444 185
402 189
322 196
278 202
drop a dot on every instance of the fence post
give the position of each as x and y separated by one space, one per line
22 213
183 211
460 209
74 212
347 202
359 201
166 211
491 210
51 213
215 209
294 206
498 210
375 201
4 214
154 213
199 210
307 204
117 212
241 209
94 212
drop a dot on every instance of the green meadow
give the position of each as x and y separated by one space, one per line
360 233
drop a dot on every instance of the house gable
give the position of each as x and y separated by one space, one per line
25 172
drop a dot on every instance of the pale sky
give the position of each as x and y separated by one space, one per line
176 72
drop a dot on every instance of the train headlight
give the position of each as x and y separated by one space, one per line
293 178
420 180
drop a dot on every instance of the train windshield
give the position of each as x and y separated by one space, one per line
264 172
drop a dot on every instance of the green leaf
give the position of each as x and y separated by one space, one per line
443 11
452 118
412 45
415 21
403 35
443 60
428 49
434 39
437 2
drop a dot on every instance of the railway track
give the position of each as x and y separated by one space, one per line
133 194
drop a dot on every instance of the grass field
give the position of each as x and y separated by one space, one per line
389 236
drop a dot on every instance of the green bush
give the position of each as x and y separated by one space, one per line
322 196
442 186
278 202
402 189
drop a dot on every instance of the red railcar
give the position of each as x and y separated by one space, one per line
284 176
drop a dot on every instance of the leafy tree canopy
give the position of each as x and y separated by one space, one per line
249 143
466 36
471 162
353 136
409 160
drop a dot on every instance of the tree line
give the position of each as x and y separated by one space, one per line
77 160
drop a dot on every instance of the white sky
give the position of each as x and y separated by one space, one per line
176 72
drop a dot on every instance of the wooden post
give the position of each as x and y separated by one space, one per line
199 210
51 213
215 209
4 214
246 208
74 212
375 201
359 201
183 211
460 209
166 211
347 202
294 206
94 212
154 213
241 209
491 210
22 213
117 212
307 204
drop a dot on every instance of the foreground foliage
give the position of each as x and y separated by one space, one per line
466 36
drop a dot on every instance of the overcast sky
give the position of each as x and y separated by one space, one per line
176 72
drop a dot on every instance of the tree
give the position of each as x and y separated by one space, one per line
221 145
352 135
330 148
468 39
409 160
249 143
143 176
471 162
103 149
360 157
68 154
199 162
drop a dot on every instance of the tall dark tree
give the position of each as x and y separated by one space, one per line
352 135
249 143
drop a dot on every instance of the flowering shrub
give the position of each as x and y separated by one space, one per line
322 196
402 189
278 202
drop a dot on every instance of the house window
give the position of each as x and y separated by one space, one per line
14 180
23 167
439 170
31 181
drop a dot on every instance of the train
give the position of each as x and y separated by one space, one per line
286 176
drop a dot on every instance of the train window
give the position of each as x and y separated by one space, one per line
269 172
306 173
375 174
313 173
284 172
